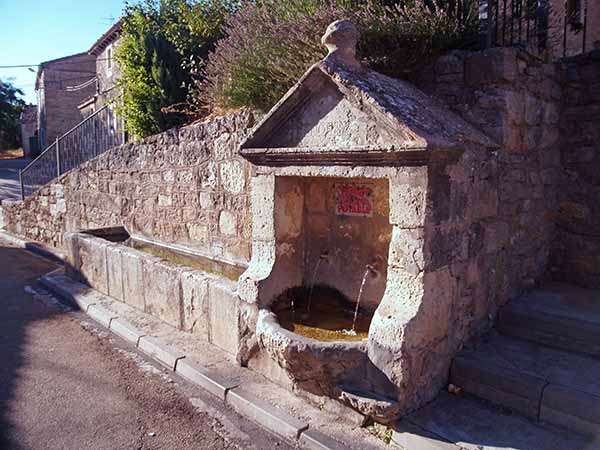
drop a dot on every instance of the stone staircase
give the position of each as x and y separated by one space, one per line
532 383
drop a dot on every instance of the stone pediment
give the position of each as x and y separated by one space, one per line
341 113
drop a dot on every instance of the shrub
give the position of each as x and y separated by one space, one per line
269 44
162 43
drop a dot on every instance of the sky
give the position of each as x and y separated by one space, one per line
35 31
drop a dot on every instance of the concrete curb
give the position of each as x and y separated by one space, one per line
239 398
34 247
265 414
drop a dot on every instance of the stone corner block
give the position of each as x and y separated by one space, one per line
224 316
265 414
158 350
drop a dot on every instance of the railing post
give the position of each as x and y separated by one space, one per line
485 35
21 183
57 159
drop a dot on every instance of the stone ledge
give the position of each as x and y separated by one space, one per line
265 414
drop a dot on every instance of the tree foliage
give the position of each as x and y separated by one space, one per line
11 106
164 43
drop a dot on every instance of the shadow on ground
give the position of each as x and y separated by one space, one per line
18 310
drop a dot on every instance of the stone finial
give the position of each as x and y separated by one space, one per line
341 38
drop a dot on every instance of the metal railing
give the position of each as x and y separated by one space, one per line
86 140
535 25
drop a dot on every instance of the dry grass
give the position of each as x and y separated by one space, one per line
11 154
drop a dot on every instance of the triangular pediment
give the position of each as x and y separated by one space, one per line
323 117
338 116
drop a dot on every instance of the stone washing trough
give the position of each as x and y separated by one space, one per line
172 284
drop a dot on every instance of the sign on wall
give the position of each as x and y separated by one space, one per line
353 199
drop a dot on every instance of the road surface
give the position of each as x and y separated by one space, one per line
10 188
65 383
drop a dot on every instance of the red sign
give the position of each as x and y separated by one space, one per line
353 200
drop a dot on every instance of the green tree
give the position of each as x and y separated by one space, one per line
163 43
11 106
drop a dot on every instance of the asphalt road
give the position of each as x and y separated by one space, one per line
10 188
67 384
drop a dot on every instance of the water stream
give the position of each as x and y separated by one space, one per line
312 284
352 331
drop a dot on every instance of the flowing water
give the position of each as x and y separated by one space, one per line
360 292
312 284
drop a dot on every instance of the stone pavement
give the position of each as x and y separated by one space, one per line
66 383
9 178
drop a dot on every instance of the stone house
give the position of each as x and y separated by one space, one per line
57 98
28 123
107 73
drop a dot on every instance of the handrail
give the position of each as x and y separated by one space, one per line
89 138
65 135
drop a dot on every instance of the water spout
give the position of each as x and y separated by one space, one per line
360 292
322 256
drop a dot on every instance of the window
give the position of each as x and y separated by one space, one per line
109 58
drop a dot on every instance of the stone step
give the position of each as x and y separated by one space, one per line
545 384
460 422
558 315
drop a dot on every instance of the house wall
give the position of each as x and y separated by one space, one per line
107 73
57 110
186 186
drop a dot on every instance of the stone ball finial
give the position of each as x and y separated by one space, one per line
341 38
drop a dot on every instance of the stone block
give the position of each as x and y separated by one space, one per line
272 418
162 290
133 278
114 265
408 196
223 310
409 436
263 207
233 178
227 223
492 66
92 262
194 291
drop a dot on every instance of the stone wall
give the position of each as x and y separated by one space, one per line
186 186
576 255
516 101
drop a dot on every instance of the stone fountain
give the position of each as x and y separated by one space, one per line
352 171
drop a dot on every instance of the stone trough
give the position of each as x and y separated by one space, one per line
186 290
